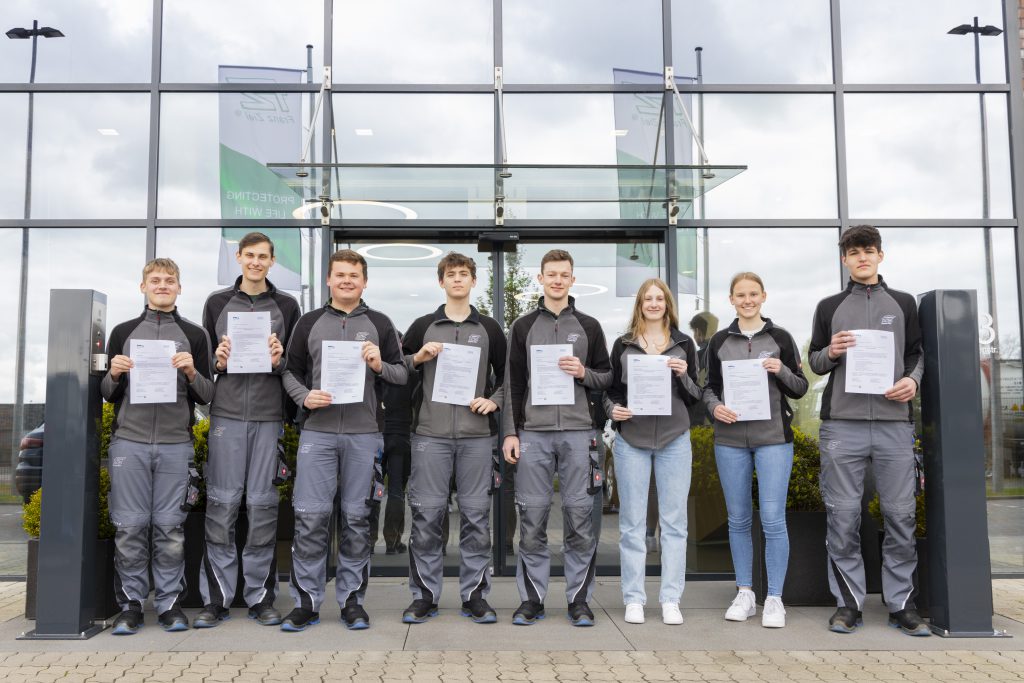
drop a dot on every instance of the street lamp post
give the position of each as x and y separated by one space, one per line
18 417
995 371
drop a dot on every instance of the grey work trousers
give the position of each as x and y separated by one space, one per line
541 455
847 448
147 486
325 462
433 461
243 457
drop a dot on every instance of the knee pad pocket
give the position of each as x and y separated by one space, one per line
579 524
262 525
168 545
220 522
533 528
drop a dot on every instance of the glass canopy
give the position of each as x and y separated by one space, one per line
512 191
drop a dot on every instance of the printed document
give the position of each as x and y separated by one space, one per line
152 379
746 389
549 384
250 339
871 362
649 389
343 371
455 376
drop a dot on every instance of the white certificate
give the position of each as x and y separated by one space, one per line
343 371
549 384
649 385
871 362
152 379
250 335
745 389
455 375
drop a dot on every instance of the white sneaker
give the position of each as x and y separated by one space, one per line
743 605
670 613
774 614
634 613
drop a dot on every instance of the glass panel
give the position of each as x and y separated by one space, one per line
579 41
736 35
101 141
10 434
448 42
911 255
909 41
919 155
13 121
608 275
105 41
213 151
208 263
200 37
707 261
402 283
108 260
788 143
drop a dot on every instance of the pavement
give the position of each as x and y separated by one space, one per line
450 647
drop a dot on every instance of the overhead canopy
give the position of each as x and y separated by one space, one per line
473 191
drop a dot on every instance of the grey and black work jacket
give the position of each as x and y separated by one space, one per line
256 397
159 422
789 382
541 326
654 431
866 307
446 420
304 363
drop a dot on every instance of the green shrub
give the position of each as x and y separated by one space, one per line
32 510
921 528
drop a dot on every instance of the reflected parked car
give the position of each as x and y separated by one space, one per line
28 475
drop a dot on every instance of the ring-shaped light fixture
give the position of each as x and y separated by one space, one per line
367 251
301 212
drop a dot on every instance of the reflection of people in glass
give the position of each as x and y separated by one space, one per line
545 436
453 439
765 445
703 325
658 441
862 428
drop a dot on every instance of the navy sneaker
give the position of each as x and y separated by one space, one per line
355 617
528 613
845 620
479 611
265 614
211 616
127 623
299 618
173 620
419 611
580 614
910 622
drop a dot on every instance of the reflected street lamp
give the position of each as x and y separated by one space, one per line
18 417
995 371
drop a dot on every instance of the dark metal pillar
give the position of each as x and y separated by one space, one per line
67 543
959 567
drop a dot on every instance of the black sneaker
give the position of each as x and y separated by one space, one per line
397 549
127 623
845 620
265 614
419 611
355 617
528 613
580 614
299 618
910 622
211 616
479 611
173 620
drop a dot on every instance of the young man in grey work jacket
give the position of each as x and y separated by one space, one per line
341 444
543 439
452 435
150 451
859 429
245 424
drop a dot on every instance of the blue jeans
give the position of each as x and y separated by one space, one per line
672 466
736 469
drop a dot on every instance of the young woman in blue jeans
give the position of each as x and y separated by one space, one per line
647 440
743 443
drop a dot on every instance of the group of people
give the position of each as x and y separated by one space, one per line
538 379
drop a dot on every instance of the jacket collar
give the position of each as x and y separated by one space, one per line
571 307
674 334
440 316
153 314
734 327
271 289
358 310
853 286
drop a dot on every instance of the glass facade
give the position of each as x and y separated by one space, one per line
156 142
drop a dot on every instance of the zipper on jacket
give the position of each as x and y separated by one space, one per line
341 408
153 431
558 409
455 413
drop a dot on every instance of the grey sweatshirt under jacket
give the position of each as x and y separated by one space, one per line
155 423
866 307
769 342
256 397
654 431
304 364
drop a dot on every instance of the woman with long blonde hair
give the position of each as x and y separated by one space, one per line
658 441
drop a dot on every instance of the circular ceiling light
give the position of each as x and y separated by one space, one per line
407 213
594 289
367 251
